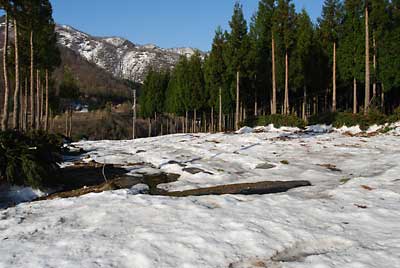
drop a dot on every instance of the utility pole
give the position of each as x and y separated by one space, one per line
134 115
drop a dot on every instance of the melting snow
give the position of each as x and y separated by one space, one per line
349 218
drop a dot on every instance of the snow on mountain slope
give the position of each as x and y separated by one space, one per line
119 56
349 218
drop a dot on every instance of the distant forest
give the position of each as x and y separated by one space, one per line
283 63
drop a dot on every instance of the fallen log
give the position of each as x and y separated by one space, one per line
258 188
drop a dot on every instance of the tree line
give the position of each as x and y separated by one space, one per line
283 63
30 46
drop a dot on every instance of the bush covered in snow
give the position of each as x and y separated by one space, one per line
29 159
277 120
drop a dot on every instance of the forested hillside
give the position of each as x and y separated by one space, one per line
281 62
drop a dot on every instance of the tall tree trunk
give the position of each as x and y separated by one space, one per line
21 108
383 98
273 106
367 70
186 122
134 115
46 117
220 110
41 105
149 128
334 79
66 122
315 110
237 100
32 85
286 106
70 122
195 121
212 119
37 100
375 69
16 89
255 105
4 121
304 110
354 95
26 105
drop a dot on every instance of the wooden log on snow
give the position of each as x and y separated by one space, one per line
258 188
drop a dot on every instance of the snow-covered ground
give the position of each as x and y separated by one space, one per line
348 218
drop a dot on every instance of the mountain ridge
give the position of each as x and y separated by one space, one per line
120 56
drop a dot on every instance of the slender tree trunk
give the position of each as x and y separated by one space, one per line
304 115
26 105
375 70
21 108
220 110
149 128
195 121
186 122
212 119
41 105
315 111
4 121
354 96
37 100
241 112
32 124
334 79
66 122
367 70
286 107
255 105
134 115
237 100
46 118
273 106
383 98
70 123
16 89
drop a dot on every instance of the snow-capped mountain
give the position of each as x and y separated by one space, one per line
119 56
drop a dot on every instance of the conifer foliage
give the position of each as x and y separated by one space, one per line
283 62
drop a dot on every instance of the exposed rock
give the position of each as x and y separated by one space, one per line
265 166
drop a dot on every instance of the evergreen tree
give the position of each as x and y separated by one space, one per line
379 21
236 55
302 65
261 40
329 26
215 69
351 61
285 20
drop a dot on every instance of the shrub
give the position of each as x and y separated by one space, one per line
395 117
277 120
349 119
29 159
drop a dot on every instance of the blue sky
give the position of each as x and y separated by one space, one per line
166 23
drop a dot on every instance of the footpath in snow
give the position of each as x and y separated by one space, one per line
348 218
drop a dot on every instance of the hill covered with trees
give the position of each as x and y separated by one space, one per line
282 63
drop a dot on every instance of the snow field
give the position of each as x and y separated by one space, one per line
348 218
